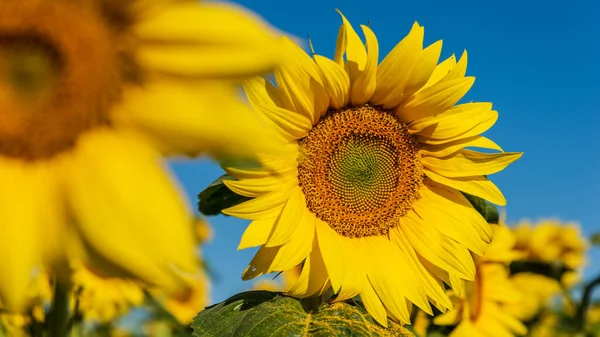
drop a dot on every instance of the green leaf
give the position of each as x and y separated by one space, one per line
554 270
268 314
487 210
217 197
595 239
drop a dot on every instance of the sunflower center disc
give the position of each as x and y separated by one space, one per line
55 81
360 171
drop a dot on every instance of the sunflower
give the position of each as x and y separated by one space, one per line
366 189
540 291
92 94
553 241
101 300
288 279
38 295
185 303
478 311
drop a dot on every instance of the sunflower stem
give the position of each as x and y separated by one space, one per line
586 299
59 314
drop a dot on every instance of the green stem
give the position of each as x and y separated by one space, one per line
581 315
59 313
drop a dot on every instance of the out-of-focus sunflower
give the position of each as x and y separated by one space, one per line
184 303
92 93
479 311
39 295
539 289
287 280
102 300
554 241
367 191
421 323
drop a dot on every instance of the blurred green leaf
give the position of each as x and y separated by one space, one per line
595 239
487 210
553 270
268 314
217 197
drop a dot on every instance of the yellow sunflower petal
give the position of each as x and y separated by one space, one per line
299 84
440 71
329 241
256 233
335 80
459 70
435 99
261 263
205 40
434 287
314 277
289 124
267 205
479 186
373 304
465 163
288 219
393 283
256 187
452 123
364 84
488 120
395 70
354 264
352 46
447 254
179 118
26 199
447 149
452 215
261 92
300 244
134 205
422 71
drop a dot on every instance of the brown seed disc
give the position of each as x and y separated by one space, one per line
360 171
59 73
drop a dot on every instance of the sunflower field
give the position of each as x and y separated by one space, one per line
200 168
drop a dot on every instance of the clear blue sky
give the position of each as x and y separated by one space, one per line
537 61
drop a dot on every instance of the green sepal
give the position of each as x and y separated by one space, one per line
270 314
216 197
486 209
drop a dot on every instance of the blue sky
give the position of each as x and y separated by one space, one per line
538 62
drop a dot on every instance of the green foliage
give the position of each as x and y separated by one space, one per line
554 270
268 314
217 197
487 210
595 239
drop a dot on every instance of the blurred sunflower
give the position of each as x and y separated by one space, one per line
186 302
479 311
554 241
367 190
102 300
539 289
287 280
92 93
39 296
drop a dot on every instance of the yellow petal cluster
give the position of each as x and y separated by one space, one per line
107 89
479 310
392 249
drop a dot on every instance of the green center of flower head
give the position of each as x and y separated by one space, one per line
363 172
360 171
